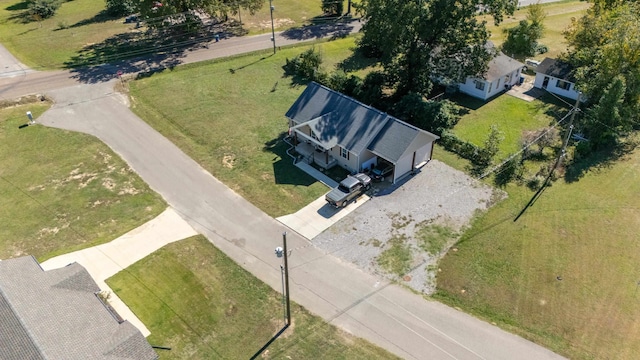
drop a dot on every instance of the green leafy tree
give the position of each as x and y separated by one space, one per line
43 9
121 7
421 40
523 38
604 123
605 52
333 7
175 9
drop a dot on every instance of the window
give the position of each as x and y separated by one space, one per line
563 85
491 85
479 85
313 135
344 153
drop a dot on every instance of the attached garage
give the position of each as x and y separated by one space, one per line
404 145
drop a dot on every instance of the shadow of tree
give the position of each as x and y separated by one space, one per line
596 161
23 5
317 31
356 61
100 17
22 17
284 170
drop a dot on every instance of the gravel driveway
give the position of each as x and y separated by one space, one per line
390 228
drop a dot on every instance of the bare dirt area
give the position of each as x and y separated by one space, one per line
404 229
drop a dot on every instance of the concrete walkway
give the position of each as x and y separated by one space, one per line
104 261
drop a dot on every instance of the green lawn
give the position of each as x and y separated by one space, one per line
583 232
62 191
80 25
197 301
513 116
559 16
232 122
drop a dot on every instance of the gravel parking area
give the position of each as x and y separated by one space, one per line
390 228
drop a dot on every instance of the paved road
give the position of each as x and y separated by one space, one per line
367 306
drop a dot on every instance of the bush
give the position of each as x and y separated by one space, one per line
512 169
43 9
306 66
332 7
121 7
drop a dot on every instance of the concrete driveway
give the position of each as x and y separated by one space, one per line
318 216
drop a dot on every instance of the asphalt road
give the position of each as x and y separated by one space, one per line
385 314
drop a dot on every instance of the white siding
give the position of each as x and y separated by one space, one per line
551 86
423 154
403 166
469 88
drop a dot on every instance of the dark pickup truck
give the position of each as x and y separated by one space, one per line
348 189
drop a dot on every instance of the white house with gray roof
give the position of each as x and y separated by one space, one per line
556 77
330 129
502 73
57 314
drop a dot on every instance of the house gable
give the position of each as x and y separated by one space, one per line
397 139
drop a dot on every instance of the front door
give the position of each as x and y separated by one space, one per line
545 82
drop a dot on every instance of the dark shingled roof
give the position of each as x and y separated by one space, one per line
56 315
337 119
500 65
556 68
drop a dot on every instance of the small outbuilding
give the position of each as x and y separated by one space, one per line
331 129
556 77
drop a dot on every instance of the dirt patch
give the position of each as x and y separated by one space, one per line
228 161
128 189
108 184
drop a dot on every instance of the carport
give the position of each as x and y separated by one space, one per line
404 146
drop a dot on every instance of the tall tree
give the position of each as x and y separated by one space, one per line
214 8
419 40
604 45
523 38
604 124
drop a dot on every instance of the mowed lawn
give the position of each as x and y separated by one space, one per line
512 116
197 301
558 18
566 274
62 191
229 116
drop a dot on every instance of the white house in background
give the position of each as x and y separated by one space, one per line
332 129
556 77
502 73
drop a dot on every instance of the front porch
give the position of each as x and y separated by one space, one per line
309 153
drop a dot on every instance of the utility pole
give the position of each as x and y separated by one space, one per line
273 31
286 277
566 140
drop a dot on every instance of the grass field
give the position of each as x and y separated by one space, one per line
62 191
510 114
232 122
585 233
559 16
197 301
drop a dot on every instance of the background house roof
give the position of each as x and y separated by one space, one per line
556 68
336 118
56 315
501 65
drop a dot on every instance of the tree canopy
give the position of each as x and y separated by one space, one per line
214 8
421 40
605 51
523 38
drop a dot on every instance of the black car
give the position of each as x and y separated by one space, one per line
382 170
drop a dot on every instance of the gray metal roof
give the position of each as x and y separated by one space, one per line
556 68
56 315
398 138
337 119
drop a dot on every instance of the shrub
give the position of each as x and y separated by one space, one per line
332 7
43 8
306 66
121 7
